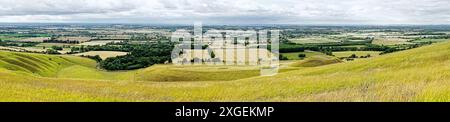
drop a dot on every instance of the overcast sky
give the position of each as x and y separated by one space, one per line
228 11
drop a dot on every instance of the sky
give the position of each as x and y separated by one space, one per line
227 11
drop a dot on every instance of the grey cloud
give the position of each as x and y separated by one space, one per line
227 11
61 7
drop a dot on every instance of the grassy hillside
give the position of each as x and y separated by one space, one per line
421 74
72 67
294 55
40 64
316 61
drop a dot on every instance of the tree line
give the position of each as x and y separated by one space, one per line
140 56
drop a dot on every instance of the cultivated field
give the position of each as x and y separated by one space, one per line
103 42
34 39
390 41
78 39
357 53
102 54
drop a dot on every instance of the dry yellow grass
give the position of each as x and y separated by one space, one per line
79 39
102 54
390 41
34 39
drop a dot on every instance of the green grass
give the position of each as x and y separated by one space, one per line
312 40
199 73
421 74
430 40
7 38
357 46
294 55
81 72
316 61
40 64
16 37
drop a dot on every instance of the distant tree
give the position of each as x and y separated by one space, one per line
212 54
52 51
196 59
282 57
57 48
329 53
301 55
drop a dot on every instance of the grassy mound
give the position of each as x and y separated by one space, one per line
316 61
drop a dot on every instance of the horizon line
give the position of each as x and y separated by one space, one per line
243 24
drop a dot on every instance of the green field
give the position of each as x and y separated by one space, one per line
294 55
421 74
17 37
312 40
357 46
430 40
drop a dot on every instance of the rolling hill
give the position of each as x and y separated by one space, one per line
421 74
73 67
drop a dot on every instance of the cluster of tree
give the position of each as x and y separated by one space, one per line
438 37
282 57
140 56
193 46
18 44
52 51
425 33
287 47
196 59
353 56
329 49
306 32
57 48
403 47
125 47
301 55
61 41
146 37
